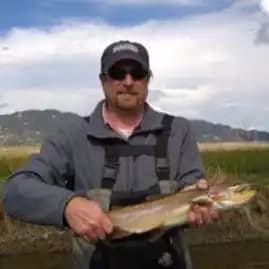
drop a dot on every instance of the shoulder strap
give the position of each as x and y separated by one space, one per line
110 167
161 158
115 150
120 149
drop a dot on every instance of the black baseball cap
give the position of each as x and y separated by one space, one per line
124 50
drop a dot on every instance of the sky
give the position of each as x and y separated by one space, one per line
210 59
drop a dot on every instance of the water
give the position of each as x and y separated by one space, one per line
40 261
249 255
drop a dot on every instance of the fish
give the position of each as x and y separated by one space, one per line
172 210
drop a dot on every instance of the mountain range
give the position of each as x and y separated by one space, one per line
31 126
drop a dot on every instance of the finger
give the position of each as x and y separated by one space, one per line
202 184
206 215
107 224
191 217
189 188
99 232
87 233
91 234
198 220
88 239
214 214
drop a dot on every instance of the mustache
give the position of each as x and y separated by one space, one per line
131 92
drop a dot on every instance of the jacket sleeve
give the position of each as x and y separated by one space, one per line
37 192
190 167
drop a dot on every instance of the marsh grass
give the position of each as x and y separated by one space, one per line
246 165
7 166
11 158
228 146
236 164
222 161
17 151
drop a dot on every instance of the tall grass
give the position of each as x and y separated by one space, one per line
11 158
8 165
246 164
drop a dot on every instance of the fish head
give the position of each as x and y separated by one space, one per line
233 196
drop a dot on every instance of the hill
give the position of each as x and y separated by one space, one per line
31 126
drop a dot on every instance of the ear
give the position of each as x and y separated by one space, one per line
150 76
102 78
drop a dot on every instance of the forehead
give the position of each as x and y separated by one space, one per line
126 64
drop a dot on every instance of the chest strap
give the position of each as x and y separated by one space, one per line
113 151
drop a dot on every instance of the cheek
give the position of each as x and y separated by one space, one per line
142 89
109 91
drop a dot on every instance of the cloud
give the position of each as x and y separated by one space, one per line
263 33
2 103
81 101
264 4
205 66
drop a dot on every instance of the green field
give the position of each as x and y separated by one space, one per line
244 165
244 162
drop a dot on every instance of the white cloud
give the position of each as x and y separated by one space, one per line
265 6
207 66
77 100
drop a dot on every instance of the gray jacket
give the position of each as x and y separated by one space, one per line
37 192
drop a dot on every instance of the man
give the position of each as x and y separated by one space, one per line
120 154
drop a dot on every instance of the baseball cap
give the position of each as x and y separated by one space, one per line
124 50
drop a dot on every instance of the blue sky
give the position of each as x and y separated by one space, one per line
209 58
38 13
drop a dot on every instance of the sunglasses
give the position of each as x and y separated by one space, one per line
119 73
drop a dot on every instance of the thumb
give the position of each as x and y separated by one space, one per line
202 184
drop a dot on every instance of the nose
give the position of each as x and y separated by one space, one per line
128 80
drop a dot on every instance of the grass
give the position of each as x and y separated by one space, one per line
222 161
17 151
1 185
247 164
228 146
12 158
233 163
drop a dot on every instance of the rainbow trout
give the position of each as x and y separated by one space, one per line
172 210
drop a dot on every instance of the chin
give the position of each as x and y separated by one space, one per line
128 104
128 107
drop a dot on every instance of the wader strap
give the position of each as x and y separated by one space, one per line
112 154
161 159
111 167
115 150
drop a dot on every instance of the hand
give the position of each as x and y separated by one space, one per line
198 214
87 219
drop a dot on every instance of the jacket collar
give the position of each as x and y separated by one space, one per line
99 129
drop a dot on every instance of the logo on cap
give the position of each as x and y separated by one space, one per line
125 46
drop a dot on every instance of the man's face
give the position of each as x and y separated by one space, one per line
126 85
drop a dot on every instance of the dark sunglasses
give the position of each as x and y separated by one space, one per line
119 73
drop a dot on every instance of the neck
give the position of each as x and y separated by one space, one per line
125 117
